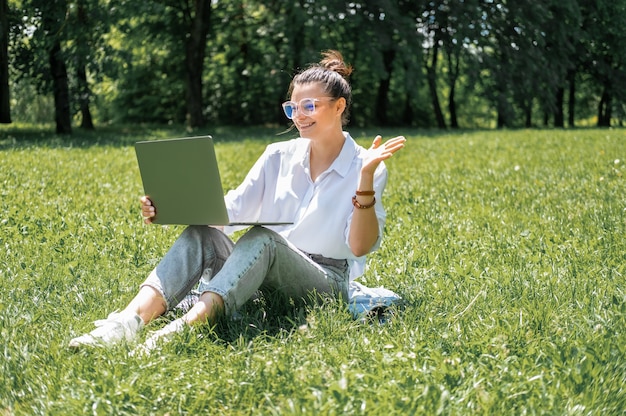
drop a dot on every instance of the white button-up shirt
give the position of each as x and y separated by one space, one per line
279 188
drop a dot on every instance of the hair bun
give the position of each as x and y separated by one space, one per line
333 61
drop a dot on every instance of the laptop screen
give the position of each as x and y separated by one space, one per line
182 179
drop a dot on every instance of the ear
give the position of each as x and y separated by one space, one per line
340 105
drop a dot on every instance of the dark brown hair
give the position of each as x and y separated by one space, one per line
333 73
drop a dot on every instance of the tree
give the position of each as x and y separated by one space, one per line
603 23
426 62
83 24
559 29
512 53
430 25
39 56
197 17
459 21
5 102
53 16
160 57
385 33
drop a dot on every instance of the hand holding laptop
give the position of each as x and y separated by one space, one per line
147 209
182 183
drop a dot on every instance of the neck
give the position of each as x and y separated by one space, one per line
328 147
323 153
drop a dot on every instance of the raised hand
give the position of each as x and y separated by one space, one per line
380 151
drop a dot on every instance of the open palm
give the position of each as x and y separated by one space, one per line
380 151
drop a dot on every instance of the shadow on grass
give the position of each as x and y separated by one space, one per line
268 316
127 135
276 317
256 320
20 136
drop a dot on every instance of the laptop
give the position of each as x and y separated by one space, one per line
182 179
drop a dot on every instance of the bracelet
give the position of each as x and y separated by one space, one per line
364 193
359 206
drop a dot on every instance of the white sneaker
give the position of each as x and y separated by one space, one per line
119 326
159 337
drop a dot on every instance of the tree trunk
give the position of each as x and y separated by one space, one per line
504 118
571 102
501 123
454 123
431 75
559 116
382 99
83 94
604 109
195 50
407 113
528 110
5 102
61 90
453 75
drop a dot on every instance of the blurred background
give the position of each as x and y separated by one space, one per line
428 64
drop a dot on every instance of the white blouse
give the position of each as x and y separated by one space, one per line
279 188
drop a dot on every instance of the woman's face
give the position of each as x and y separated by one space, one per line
325 120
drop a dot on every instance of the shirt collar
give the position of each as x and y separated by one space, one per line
302 153
342 164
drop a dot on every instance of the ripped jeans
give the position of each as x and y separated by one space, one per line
261 259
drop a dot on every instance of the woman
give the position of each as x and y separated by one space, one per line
324 182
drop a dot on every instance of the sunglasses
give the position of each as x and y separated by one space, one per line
306 106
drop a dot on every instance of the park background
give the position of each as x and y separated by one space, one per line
445 63
506 244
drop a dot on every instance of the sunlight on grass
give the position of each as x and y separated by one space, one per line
507 246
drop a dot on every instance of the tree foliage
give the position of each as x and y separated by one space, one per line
5 104
456 63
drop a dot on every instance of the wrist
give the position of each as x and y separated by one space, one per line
364 199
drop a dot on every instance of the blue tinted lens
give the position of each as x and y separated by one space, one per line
289 109
308 107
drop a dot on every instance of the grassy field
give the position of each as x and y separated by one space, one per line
508 248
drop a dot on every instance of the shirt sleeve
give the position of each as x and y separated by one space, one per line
244 202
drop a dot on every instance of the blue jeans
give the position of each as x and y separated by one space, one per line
260 260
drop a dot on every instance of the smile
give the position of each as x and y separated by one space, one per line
304 126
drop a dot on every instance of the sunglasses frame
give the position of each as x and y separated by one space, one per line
300 106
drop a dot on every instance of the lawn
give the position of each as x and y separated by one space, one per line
507 247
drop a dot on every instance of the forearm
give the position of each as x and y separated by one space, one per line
364 228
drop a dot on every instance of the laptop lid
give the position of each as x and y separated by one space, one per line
182 179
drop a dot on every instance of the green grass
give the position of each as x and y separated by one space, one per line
507 246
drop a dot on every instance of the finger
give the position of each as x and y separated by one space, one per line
396 140
396 147
390 151
377 140
395 144
148 218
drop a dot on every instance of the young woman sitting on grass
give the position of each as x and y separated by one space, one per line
323 182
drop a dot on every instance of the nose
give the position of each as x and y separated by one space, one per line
298 114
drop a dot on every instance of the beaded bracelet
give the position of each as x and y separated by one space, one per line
360 206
